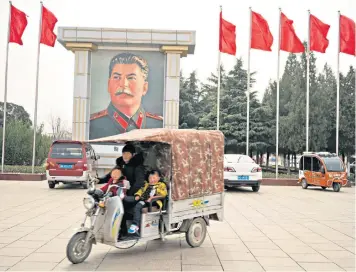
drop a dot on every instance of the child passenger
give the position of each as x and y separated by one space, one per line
118 179
153 189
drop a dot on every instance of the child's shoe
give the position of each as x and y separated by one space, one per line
133 229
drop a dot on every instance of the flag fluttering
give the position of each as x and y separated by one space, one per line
318 35
347 36
227 37
48 22
289 39
261 36
18 23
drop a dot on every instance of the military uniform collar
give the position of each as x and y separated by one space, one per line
137 119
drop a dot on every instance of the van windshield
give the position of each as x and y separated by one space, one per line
66 151
333 164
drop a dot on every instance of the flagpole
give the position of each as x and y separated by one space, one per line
307 102
218 100
5 92
277 106
248 87
36 95
338 89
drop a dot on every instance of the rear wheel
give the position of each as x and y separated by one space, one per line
76 250
51 184
304 184
196 233
256 188
336 186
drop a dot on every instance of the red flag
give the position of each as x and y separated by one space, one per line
318 33
347 35
261 37
48 22
289 39
18 23
227 37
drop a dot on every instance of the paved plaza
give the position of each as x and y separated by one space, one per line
277 229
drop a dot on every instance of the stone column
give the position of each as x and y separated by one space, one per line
171 88
82 90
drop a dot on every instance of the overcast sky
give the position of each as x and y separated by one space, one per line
57 64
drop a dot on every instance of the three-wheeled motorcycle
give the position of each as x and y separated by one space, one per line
191 162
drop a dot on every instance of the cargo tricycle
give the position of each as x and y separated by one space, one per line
192 166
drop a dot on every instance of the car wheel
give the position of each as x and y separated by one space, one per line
336 187
256 188
304 184
85 184
51 184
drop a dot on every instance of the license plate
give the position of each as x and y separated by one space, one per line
66 166
242 177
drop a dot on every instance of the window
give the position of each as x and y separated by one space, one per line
305 163
66 151
333 164
316 165
246 159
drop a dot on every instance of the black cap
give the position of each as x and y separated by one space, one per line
129 148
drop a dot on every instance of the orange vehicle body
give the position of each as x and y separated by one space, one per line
322 169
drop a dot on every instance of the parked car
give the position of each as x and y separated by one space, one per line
241 170
70 162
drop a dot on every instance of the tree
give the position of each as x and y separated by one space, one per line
347 113
189 102
19 143
59 129
14 112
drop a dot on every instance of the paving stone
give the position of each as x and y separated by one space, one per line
241 266
320 266
190 267
33 266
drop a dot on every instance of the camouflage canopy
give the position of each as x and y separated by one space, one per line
197 158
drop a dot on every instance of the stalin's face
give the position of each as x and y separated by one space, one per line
126 86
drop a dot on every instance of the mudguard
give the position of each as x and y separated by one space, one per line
84 229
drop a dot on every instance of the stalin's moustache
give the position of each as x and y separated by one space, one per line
119 92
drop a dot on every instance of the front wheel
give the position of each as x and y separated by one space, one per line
51 184
304 184
255 188
76 250
336 187
196 233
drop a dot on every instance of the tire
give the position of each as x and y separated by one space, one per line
196 233
75 243
304 184
51 184
323 187
336 187
256 188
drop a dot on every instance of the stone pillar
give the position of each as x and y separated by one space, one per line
81 94
172 77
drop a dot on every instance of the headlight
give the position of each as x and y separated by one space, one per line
88 202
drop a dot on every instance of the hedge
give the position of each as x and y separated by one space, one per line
23 169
